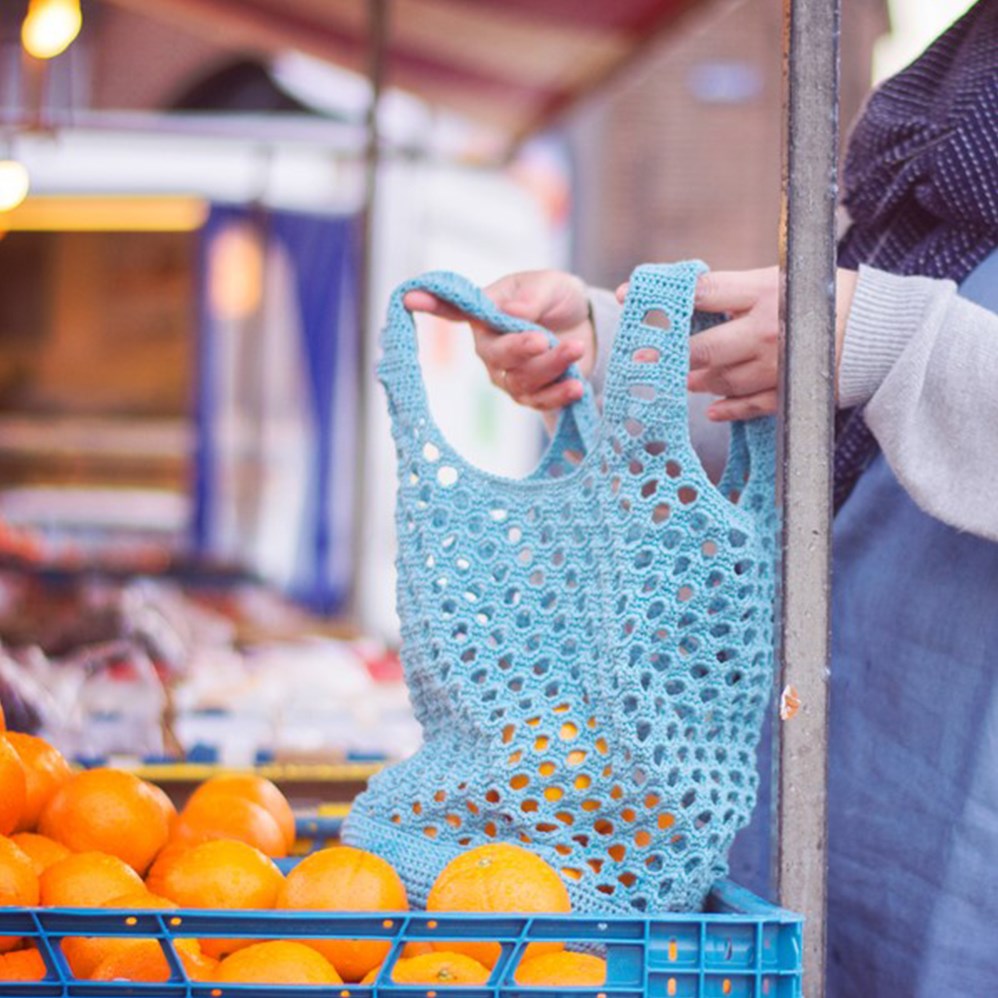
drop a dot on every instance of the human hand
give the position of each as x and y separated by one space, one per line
524 364
739 359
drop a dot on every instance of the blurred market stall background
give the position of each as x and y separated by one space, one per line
196 475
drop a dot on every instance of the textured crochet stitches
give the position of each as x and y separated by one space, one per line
589 649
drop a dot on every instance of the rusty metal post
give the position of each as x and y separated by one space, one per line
810 147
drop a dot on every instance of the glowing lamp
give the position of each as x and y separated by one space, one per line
14 184
49 26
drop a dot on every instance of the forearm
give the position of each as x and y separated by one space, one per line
925 363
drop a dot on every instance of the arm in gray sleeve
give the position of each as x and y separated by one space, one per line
925 363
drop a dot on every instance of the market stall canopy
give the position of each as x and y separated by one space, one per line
513 65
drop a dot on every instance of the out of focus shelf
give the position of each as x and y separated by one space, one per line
196 772
75 436
320 788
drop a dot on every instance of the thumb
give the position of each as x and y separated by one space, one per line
424 301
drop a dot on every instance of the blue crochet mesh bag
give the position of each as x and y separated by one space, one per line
588 649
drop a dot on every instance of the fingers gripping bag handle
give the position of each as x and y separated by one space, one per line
399 368
647 375
589 655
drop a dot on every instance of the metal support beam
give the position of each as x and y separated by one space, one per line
807 249
378 15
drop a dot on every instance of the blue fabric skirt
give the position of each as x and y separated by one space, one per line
913 782
913 752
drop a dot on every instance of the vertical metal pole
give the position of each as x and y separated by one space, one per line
377 64
811 29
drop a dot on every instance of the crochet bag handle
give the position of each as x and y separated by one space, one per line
646 391
399 368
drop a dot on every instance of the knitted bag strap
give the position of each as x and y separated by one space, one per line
399 367
647 375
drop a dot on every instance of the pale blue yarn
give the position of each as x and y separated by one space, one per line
599 632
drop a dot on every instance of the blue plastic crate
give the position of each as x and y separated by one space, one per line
312 834
740 947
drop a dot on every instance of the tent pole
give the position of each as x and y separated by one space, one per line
377 11
807 273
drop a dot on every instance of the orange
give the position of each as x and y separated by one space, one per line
22 965
409 951
142 899
277 961
222 874
416 949
45 770
219 816
87 880
341 878
200 966
13 787
440 968
143 960
160 796
40 849
85 953
162 861
18 884
110 811
565 969
257 790
498 877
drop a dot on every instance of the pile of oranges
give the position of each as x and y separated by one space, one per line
104 838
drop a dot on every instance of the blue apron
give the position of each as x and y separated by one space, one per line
913 770
913 783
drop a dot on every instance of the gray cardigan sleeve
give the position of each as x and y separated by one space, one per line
925 363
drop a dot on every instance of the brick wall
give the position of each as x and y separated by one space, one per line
680 157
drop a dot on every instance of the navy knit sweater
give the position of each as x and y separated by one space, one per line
921 180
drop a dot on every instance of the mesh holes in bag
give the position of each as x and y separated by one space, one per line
589 649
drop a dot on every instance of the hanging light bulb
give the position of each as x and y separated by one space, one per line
14 184
49 26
